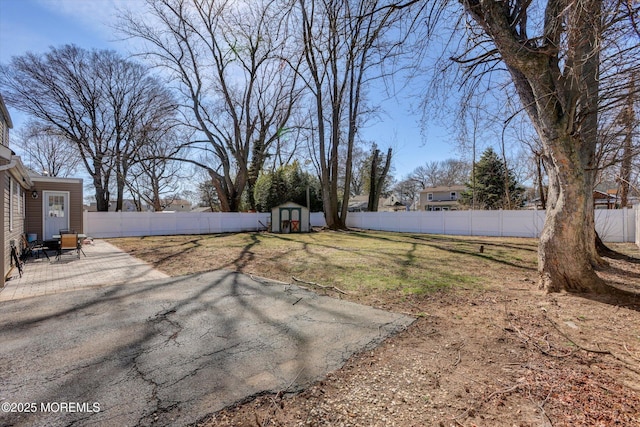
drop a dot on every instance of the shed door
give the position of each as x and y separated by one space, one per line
290 220
55 206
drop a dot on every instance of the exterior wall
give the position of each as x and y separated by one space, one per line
35 220
441 197
13 211
4 134
5 250
14 180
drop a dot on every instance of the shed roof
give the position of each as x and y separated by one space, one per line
289 204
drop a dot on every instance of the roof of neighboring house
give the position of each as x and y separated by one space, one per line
362 202
179 202
603 195
358 202
443 189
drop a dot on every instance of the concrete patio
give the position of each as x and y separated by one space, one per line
104 264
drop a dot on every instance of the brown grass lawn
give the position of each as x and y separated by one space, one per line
354 261
488 347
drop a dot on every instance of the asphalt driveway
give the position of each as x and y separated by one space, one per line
171 351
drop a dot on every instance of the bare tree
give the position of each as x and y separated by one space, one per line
96 100
228 61
346 45
359 171
47 153
556 73
619 146
628 153
444 173
153 176
427 175
377 176
408 190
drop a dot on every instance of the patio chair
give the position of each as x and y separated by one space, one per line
25 248
34 247
68 242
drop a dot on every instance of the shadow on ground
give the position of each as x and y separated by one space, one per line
172 351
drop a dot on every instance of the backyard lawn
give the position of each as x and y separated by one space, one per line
356 261
488 347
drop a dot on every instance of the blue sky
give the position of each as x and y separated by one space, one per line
34 25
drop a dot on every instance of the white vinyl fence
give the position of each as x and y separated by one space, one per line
615 225
129 224
637 226
621 225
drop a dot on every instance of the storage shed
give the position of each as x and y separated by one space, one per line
290 218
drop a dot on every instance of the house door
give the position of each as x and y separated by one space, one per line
55 212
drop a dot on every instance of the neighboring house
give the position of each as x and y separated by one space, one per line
178 205
128 205
605 200
632 199
31 203
441 198
358 203
389 204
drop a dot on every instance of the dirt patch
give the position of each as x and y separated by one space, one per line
501 357
503 354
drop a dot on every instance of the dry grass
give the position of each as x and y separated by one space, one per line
488 347
354 261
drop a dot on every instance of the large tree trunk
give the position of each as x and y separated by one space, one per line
567 253
102 196
372 205
559 91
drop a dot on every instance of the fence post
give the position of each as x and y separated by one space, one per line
625 238
637 209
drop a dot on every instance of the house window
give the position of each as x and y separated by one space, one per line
454 196
430 196
56 206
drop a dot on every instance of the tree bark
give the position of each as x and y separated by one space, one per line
627 149
382 178
372 205
558 86
543 197
567 256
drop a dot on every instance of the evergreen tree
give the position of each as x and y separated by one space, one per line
493 181
287 184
